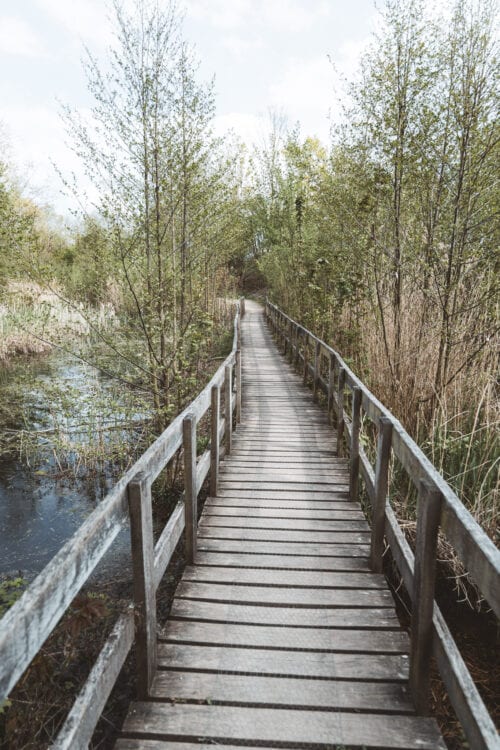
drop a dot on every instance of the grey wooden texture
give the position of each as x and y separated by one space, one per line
282 725
294 548
280 608
141 534
302 639
240 559
372 618
289 663
314 579
291 692
78 728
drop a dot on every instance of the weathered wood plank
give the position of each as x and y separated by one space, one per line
287 562
262 577
210 521
328 514
285 503
228 723
300 639
80 723
261 691
310 549
168 541
394 667
278 535
271 595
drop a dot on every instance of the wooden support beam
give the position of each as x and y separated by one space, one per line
340 411
190 490
381 487
214 439
141 534
228 410
238 385
317 366
354 449
428 515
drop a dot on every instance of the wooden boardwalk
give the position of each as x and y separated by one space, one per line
280 635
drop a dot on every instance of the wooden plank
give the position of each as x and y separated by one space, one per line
249 725
226 484
262 577
214 438
275 637
141 533
168 541
429 511
380 495
220 511
302 549
285 504
291 692
281 494
295 524
296 597
287 562
394 667
80 723
124 743
190 486
278 536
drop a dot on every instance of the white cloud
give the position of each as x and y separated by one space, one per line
246 126
281 15
84 19
240 47
18 38
39 141
305 92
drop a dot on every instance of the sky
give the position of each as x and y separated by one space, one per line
289 55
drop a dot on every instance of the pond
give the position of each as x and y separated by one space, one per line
64 429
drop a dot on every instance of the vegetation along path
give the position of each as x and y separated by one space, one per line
280 632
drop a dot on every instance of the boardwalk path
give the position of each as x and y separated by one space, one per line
280 636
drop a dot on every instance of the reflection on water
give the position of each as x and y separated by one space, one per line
54 414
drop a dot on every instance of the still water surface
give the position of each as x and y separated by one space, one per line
49 408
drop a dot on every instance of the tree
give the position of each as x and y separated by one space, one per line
165 190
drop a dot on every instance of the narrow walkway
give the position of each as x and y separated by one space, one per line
280 636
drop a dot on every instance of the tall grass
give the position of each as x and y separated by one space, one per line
33 319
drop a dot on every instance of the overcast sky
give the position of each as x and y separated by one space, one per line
264 54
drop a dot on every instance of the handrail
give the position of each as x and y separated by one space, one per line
439 508
30 621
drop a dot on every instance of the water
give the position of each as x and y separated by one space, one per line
53 415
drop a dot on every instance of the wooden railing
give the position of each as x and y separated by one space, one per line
30 621
438 509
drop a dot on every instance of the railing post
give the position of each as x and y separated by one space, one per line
228 410
331 384
238 386
340 411
214 440
141 535
381 486
428 516
297 347
190 493
317 360
306 363
354 449
242 306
